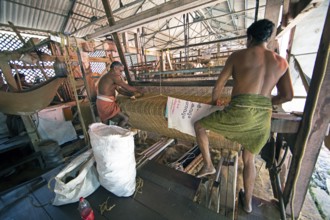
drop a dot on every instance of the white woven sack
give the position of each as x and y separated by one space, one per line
113 149
84 184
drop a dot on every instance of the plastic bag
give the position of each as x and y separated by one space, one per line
78 179
113 149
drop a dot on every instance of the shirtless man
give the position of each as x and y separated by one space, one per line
246 120
106 94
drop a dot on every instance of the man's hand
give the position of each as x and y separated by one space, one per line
142 91
220 102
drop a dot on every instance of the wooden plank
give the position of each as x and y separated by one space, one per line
164 10
15 142
171 205
300 17
173 180
285 123
273 8
313 128
21 161
116 39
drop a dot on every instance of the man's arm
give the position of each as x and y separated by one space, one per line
118 81
284 89
222 79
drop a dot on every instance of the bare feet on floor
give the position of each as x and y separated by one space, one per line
246 207
205 171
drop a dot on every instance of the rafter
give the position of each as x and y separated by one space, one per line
65 23
104 16
164 10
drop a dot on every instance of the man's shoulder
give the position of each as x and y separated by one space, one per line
280 59
238 53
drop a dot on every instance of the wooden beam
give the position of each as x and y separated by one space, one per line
164 10
116 39
300 17
125 41
285 13
137 47
193 83
104 17
313 128
184 71
67 17
206 43
273 8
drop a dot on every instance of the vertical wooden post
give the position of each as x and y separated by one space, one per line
273 8
168 58
312 129
162 63
111 21
125 41
138 48
144 57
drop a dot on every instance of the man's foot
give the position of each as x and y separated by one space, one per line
205 171
246 208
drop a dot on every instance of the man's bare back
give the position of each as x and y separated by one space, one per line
256 70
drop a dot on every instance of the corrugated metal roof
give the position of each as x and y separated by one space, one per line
226 19
43 15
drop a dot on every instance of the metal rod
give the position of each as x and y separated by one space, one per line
162 148
279 191
194 163
226 199
187 153
235 182
151 147
216 181
203 69
155 149
199 83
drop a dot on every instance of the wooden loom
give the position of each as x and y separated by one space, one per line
148 113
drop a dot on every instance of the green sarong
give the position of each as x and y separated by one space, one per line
246 120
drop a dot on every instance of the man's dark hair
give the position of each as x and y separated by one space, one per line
260 30
115 63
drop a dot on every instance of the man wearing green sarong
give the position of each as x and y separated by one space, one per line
246 120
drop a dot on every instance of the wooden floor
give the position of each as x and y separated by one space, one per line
166 194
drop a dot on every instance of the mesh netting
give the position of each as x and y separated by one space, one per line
148 113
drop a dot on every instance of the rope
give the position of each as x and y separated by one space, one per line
104 206
139 186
